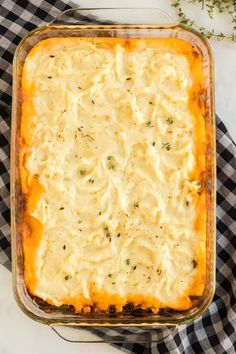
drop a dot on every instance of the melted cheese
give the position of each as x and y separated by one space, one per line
112 154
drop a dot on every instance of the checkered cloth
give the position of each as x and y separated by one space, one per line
214 332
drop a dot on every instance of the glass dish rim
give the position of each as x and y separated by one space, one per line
107 320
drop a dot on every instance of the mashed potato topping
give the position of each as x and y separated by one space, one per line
112 161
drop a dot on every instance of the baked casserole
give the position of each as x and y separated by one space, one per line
112 163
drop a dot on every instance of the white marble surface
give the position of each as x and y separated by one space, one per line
21 335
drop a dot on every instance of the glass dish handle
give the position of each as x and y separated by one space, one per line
85 334
119 16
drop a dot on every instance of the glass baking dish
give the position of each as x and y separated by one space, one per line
126 23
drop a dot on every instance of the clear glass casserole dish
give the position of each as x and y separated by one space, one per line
97 327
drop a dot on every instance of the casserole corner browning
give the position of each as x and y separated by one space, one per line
112 164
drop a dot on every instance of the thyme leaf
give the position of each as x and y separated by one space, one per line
111 162
169 120
107 233
166 146
82 172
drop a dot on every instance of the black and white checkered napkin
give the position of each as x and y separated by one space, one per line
215 331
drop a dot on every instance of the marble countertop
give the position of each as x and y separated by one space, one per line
20 334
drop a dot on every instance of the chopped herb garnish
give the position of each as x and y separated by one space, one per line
91 180
52 56
166 146
67 277
127 261
118 235
64 247
107 233
79 222
79 87
169 131
128 78
113 283
79 129
134 267
49 77
169 121
187 202
150 102
148 124
109 275
82 172
62 208
194 263
136 205
93 102
100 213
111 162
153 144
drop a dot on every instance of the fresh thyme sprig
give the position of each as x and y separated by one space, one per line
226 6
